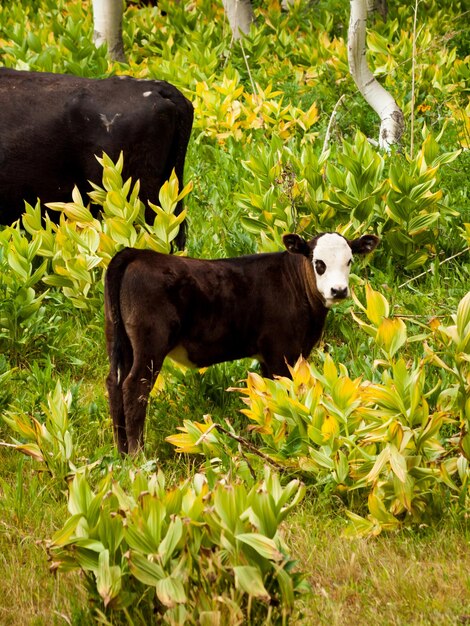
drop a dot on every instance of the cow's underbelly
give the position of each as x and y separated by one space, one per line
210 354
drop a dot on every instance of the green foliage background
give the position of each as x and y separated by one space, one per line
259 167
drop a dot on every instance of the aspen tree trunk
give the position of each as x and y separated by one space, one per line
107 22
391 116
240 16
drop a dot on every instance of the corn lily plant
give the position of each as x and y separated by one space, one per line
205 551
399 442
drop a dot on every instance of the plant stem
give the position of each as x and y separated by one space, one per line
330 124
430 269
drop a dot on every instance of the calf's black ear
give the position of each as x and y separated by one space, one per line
296 244
364 244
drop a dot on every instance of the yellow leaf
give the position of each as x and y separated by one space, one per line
344 392
391 335
183 443
463 314
31 449
398 464
158 386
370 330
378 510
330 427
380 462
301 373
395 433
377 306
255 382
329 370
311 116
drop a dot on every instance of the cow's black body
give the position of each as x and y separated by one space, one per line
53 125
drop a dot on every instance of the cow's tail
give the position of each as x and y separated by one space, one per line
112 297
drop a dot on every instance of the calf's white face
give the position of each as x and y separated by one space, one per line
332 257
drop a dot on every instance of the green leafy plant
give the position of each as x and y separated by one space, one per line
79 248
204 551
357 189
376 439
47 437
21 298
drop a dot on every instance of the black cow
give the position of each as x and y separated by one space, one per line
53 125
199 312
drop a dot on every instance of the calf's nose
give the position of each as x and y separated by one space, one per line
339 293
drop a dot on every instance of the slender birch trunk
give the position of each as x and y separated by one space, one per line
107 21
391 116
240 16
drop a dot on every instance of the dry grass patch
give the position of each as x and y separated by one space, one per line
395 579
29 593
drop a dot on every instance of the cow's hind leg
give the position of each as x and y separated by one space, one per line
120 366
148 357
116 405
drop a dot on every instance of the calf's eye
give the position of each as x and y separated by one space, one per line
320 267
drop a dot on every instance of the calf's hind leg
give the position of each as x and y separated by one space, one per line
114 386
137 386
116 406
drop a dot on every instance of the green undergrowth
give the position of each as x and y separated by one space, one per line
381 534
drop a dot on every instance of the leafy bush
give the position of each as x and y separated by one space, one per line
46 438
292 191
380 439
79 248
21 299
205 551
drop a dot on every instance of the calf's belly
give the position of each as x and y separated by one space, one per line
209 355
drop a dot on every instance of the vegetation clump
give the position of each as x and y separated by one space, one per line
369 440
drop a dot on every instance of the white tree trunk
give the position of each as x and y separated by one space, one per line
240 16
391 128
107 23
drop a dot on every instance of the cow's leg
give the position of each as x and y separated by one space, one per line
275 367
274 361
136 389
123 363
114 386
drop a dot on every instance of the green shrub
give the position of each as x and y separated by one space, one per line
79 248
205 551
292 189
46 438
376 440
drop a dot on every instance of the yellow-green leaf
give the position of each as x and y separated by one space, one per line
377 306
391 335
248 578
398 463
265 546
170 591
